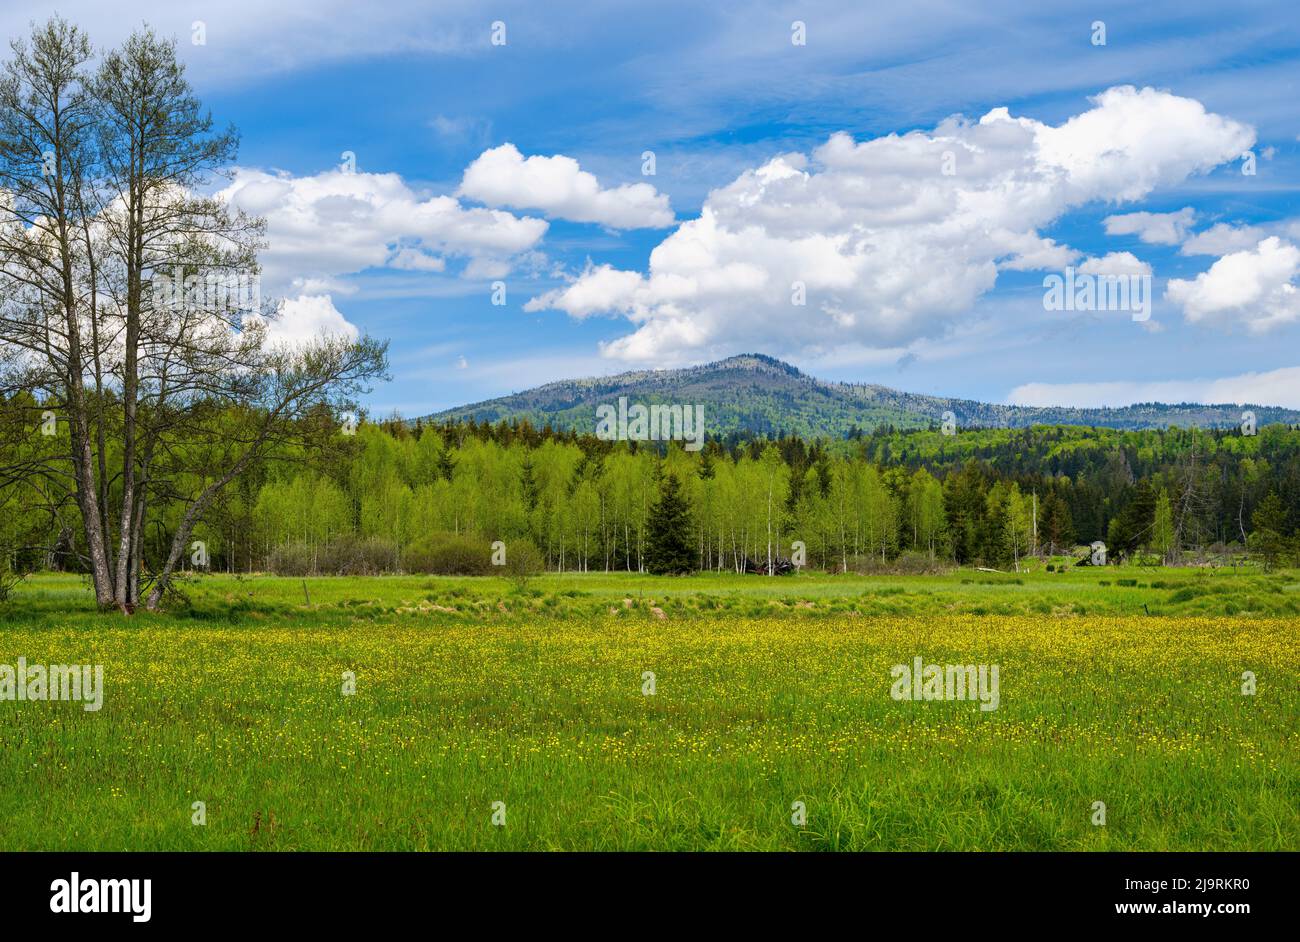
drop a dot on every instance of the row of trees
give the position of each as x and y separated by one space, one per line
587 504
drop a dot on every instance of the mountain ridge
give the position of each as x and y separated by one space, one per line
754 393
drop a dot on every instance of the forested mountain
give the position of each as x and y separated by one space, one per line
759 395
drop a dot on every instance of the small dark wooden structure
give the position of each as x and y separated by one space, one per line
758 567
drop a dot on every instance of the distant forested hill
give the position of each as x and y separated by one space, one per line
758 395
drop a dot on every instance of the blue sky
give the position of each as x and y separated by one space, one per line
914 278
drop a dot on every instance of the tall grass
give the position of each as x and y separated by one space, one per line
239 704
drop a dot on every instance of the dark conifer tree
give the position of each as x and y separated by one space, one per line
446 463
669 550
528 484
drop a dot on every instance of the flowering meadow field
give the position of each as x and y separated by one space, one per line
706 713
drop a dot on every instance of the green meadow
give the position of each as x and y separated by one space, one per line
616 711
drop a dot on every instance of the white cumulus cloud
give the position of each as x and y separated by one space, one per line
1254 288
1223 238
410 259
1153 228
307 318
894 238
336 223
1115 265
559 187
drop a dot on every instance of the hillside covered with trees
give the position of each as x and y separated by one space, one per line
755 394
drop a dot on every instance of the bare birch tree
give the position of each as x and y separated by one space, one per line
132 302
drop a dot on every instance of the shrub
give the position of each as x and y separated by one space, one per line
292 559
344 556
914 562
909 562
357 556
523 561
450 554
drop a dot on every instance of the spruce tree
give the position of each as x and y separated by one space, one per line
528 485
1056 526
1268 539
669 550
446 463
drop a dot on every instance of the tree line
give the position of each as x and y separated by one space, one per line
393 496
